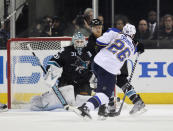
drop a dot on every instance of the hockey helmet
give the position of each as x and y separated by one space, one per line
78 40
129 29
96 22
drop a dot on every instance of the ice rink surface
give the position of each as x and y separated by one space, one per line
157 118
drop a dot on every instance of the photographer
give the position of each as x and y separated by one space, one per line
79 24
82 26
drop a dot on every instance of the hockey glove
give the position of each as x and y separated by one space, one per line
47 67
140 47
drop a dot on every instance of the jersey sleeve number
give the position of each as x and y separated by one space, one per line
119 47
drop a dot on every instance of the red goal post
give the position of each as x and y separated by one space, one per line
24 76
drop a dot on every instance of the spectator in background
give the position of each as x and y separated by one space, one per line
152 22
47 31
82 26
88 15
47 19
4 34
166 31
80 23
42 28
143 31
101 18
120 21
57 27
36 30
48 27
22 22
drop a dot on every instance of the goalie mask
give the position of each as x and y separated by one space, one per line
78 41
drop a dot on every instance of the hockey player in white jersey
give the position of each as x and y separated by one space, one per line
116 48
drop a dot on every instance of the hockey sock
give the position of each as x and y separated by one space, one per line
136 98
90 106
95 101
131 93
111 105
99 99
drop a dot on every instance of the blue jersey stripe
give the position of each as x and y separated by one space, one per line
113 29
101 43
98 100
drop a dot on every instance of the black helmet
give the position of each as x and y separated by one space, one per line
95 22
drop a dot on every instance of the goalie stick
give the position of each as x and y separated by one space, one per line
127 85
29 47
55 89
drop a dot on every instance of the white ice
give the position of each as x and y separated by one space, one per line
157 118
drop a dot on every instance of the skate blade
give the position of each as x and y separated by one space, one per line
78 112
101 118
113 114
86 118
142 111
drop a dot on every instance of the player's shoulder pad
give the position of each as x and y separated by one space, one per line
114 30
68 48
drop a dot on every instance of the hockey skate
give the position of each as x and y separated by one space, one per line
103 112
138 107
112 106
84 112
3 108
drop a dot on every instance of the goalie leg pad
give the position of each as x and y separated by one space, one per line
45 102
68 93
49 101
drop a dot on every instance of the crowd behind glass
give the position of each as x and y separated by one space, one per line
147 29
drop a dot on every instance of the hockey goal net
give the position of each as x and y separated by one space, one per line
25 76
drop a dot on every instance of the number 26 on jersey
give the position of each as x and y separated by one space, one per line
118 47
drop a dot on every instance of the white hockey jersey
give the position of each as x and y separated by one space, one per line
118 48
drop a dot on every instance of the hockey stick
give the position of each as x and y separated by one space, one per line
13 13
128 84
29 47
54 87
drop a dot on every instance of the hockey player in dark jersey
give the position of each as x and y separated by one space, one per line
73 82
122 78
74 61
96 28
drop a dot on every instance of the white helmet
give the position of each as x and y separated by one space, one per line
78 40
129 29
